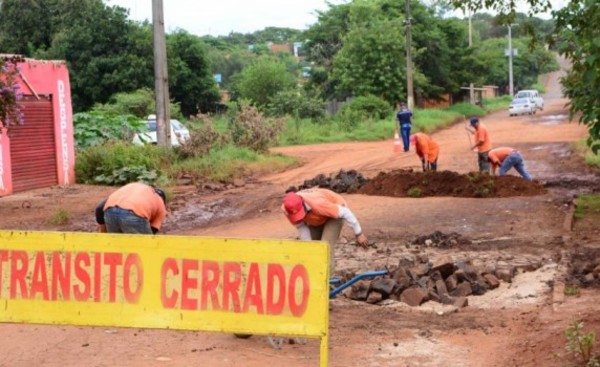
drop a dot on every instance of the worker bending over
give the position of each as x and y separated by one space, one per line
134 208
317 214
507 158
427 149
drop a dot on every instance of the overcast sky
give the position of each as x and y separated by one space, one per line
219 17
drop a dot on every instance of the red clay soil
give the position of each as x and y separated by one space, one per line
408 183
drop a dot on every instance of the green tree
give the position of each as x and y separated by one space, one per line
26 25
229 62
576 38
527 65
276 35
105 52
190 79
262 80
371 61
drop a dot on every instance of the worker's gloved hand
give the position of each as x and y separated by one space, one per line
361 239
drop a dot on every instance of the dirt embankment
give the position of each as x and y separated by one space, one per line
407 183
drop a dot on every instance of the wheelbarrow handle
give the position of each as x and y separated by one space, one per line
369 274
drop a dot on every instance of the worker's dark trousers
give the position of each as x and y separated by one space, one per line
330 232
484 164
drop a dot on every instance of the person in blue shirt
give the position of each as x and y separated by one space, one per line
404 118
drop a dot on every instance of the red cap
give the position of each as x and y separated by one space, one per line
293 207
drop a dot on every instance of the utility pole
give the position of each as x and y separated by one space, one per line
410 98
471 91
161 77
511 89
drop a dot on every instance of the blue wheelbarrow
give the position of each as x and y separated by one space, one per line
369 274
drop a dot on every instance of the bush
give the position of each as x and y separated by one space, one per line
250 128
367 107
140 103
203 137
94 128
121 163
298 104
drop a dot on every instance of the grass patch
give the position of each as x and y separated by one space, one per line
571 290
586 205
330 130
584 151
497 103
230 163
414 192
60 217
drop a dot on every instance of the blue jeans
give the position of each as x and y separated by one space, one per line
120 220
405 132
514 160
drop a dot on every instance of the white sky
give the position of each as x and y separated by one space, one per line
219 17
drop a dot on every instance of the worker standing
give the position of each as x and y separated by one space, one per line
134 208
482 143
318 214
507 158
404 118
427 149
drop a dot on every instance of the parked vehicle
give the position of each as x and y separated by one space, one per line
534 95
521 106
179 133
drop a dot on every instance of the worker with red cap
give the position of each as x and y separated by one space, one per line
318 214
427 149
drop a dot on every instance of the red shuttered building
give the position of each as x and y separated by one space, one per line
40 152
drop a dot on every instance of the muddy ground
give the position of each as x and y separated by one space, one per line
520 323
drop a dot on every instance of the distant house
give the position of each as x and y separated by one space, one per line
281 47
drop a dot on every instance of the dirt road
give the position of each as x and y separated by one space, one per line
519 324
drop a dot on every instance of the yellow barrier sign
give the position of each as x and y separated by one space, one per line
265 287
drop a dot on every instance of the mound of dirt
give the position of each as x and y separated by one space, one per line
344 181
403 183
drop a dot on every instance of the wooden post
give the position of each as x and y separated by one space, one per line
161 78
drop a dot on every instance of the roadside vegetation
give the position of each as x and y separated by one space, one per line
587 205
580 348
258 98
582 148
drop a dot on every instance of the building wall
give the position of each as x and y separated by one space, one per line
52 78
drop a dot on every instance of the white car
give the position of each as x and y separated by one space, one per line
179 133
521 106
533 95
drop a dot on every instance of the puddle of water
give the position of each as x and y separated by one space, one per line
550 120
193 214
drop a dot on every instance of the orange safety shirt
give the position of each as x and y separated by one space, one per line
498 155
481 135
425 146
323 205
140 199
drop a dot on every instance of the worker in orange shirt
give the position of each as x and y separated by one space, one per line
507 158
318 214
427 150
482 143
134 208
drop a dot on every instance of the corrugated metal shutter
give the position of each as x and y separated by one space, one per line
32 147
